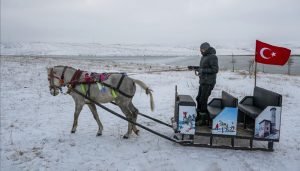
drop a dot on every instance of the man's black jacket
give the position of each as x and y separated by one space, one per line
208 67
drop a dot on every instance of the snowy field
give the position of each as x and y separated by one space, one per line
35 126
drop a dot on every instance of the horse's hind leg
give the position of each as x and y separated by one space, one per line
78 108
96 117
135 113
128 115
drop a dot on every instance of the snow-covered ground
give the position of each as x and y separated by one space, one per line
35 126
97 49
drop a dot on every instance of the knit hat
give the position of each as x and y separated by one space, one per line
205 46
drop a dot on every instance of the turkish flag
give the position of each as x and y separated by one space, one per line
269 54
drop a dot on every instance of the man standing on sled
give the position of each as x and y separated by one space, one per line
207 74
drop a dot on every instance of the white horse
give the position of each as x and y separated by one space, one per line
60 76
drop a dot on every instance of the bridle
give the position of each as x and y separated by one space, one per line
52 76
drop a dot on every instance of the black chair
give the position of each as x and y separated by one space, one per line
216 105
251 106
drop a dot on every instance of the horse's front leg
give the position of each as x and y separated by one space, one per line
78 108
96 117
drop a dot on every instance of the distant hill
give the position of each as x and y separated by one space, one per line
97 49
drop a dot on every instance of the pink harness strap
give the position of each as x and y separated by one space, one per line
103 77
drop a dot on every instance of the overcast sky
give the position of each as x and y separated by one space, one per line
150 21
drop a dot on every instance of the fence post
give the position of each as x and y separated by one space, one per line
290 63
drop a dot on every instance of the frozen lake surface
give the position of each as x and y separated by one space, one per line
242 62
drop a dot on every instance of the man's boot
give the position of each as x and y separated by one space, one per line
201 119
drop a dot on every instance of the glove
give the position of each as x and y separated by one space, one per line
200 71
190 67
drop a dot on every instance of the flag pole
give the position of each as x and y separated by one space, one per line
255 67
255 73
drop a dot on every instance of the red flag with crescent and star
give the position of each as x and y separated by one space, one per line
269 54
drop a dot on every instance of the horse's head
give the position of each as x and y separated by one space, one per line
55 80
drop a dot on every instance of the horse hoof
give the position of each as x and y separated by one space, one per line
72 132
99 134
125 137
137 132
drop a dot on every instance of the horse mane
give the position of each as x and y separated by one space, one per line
64 66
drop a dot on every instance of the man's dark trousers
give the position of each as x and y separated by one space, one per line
202 97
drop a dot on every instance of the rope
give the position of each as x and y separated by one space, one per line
155 71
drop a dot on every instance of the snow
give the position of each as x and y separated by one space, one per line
35 126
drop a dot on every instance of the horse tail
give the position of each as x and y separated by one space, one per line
148 91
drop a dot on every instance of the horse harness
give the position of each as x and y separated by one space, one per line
75 80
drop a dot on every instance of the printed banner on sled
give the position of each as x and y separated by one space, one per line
225 122
186 120
267 124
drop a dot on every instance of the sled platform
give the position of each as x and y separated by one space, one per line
221 131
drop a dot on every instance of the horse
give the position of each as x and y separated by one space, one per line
103 92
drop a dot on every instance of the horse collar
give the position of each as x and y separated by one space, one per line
75 77
63 73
